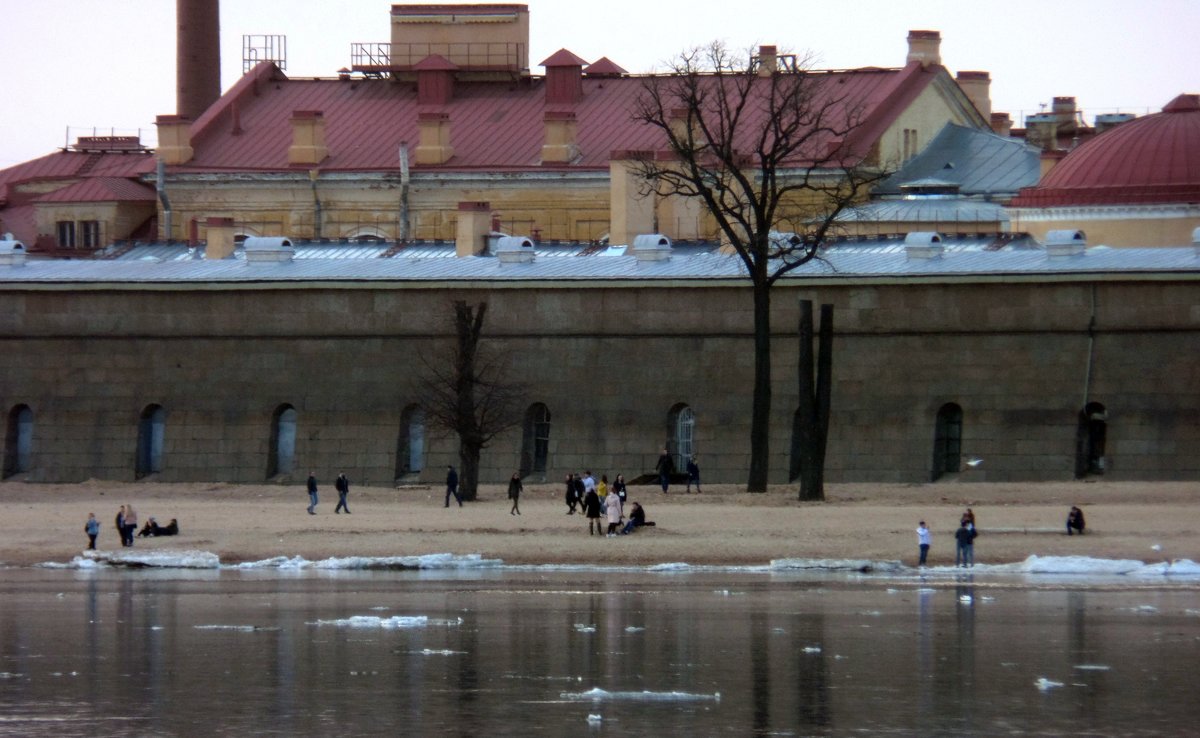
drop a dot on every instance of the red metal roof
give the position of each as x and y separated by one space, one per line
1155 159
101 189
494 126
605 66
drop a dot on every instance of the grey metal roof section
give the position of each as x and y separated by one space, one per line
981 162
943 213
880 258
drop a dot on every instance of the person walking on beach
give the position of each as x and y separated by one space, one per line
514 492
591 509
613 503
130 524
964 540
452 485
570 494
342 485
580 489
923 539
693 472
618 487
665 468
121 524
312 493
92 528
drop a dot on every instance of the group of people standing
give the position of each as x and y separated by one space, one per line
666 468
341 484
964 541
597 500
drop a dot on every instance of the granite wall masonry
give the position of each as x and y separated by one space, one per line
610 362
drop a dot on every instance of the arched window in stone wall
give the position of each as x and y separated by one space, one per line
151 428
681 425
947 441
1090 440
18 441
410 444
535 441
281 457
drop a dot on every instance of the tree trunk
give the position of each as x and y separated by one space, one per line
468 478
760 416
815 398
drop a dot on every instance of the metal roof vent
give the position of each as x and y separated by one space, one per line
268 249
923 245
514 250
12 252
1064 243
652 247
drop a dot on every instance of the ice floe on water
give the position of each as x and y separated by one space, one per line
864 566
1034 566
236 628
603 695
384 563
1045 684
142 560
396 622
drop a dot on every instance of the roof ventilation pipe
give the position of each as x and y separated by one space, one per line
923 245
12 252
268 250
652 247
514 250
1063 243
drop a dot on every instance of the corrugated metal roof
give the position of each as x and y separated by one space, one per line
885 260
980 162
496 126
945 213
101 189
1153 159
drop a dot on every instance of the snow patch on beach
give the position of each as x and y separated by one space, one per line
603 695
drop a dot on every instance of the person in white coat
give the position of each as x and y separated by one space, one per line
612 504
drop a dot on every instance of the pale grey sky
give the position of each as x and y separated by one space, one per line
111 63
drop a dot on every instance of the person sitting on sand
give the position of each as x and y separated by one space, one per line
149 529
1075 521
153 529
637 518
170 529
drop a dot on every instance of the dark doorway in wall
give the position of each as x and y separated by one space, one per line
151 428
535 442
1090 440
18 441
947 441
410 447
281 457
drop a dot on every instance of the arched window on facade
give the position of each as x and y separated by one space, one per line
682 428
947 441
1090 440
151 427
282 452
18 441
535 441
410 445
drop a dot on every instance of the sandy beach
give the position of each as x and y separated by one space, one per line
724 525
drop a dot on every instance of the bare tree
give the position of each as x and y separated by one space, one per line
468 392
775 153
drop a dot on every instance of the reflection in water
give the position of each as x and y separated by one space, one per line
121 653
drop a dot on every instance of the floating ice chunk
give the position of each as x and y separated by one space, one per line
383 563
860 565
965 599
163 559
585 628
1156 547
1046 685
812 649
602 695
1092 667
374 621
633 629
594 718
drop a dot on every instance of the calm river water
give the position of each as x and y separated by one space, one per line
621 653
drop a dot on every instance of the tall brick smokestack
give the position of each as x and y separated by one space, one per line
197 56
